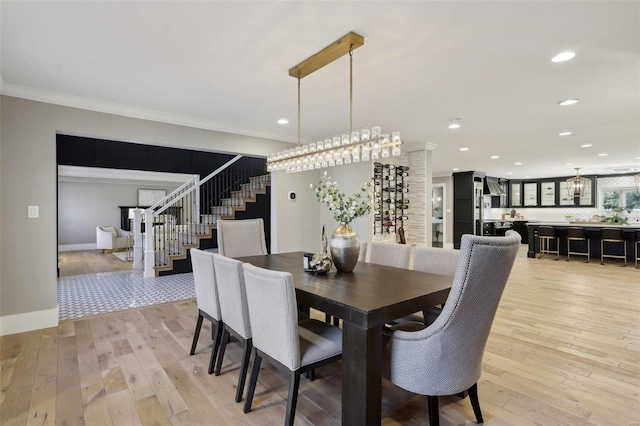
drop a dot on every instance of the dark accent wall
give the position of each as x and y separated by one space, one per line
91 152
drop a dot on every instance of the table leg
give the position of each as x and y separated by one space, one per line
361 375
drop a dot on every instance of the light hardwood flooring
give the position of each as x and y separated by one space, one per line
89 262
564 350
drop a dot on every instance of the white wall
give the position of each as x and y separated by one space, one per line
82 206
28 177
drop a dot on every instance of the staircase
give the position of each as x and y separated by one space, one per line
173 258
186 218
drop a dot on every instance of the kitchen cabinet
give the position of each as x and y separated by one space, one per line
566 198
515 194
547 193
530 194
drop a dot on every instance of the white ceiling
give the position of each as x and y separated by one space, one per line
224 65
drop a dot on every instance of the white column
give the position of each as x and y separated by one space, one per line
137 239
149 252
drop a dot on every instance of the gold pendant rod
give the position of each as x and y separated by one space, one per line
336 50
298 112
350 91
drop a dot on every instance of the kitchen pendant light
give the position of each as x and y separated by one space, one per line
578 186
351 147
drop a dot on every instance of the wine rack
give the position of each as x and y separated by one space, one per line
390 202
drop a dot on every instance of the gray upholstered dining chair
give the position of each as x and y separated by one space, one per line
207 300
390 254
298 346
445 358
237 238
235 314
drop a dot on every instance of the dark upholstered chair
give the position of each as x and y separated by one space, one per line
610 236
578 234
297 346
207 299
546 234
234 311
238 238
445 358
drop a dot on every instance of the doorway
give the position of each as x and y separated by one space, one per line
438 214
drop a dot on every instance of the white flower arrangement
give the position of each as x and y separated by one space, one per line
345 210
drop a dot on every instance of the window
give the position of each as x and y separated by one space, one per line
621 199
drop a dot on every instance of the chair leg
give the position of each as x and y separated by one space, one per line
248 345
294 383
434 417
196 334
257 360
216 345
223 347
475 403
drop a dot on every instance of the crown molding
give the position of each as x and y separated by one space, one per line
63 99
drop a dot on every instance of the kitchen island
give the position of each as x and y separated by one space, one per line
593 233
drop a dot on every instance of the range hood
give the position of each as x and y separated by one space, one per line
492 187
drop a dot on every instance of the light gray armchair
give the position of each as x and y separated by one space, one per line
110 238
445 358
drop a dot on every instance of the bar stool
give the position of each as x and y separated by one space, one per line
612 235
578 234
636 242
547 234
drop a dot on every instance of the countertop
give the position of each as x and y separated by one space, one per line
634 225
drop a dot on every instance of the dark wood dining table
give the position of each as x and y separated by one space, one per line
365 299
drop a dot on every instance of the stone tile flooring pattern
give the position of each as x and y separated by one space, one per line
92 294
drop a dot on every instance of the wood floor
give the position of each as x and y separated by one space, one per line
564 350
89 262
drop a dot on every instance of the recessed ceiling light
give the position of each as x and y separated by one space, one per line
569 164
602 155
518 163
636 158
568 102
563 56
456 169
464 149
509 173
454 126
564 134
586 145
494 157
283 121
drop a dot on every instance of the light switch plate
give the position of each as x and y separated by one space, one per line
33 212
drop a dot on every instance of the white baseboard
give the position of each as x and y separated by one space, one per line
76 247
19 323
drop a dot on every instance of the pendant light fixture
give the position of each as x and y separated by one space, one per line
348 148
578 186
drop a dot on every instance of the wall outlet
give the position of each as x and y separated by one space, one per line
33 212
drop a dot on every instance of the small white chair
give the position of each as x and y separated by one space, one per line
235 315
238 238
299 347
110 238
207 299
390 254
362 256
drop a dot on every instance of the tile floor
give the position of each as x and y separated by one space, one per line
92 294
